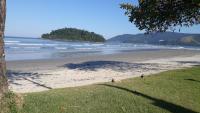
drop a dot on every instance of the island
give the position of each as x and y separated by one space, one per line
73 34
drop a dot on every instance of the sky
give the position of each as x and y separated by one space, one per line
32 18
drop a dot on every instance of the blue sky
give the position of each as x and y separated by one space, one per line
31 18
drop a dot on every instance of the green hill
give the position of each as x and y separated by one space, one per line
73 34
166 38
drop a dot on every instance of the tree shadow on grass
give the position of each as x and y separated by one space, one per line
114 65
193 80
157 102
29 76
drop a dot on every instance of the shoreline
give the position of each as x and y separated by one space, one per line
40 75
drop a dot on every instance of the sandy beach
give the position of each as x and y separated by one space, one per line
40 75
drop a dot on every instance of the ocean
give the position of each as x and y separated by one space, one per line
24 48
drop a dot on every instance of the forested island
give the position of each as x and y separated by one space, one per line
73 34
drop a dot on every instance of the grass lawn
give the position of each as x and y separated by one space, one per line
175 91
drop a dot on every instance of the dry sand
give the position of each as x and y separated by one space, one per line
41 75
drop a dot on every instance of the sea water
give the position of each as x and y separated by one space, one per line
24 48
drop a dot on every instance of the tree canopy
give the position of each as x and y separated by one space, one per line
162 15
74 34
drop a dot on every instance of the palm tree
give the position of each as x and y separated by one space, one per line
3 79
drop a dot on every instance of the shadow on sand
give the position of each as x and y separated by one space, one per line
157 102
29 76
114 65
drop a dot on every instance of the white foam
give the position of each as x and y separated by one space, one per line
30 44
14 47
32 47
60 48
84 48
50 44
77 45
97 44
12 41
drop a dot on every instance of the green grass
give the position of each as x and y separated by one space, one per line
175 91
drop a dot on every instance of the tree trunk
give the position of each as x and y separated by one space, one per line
3 79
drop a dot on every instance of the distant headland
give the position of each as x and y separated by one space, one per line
73 34
165 38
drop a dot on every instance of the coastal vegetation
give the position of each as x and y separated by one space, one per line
160 16
73 34
174 91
